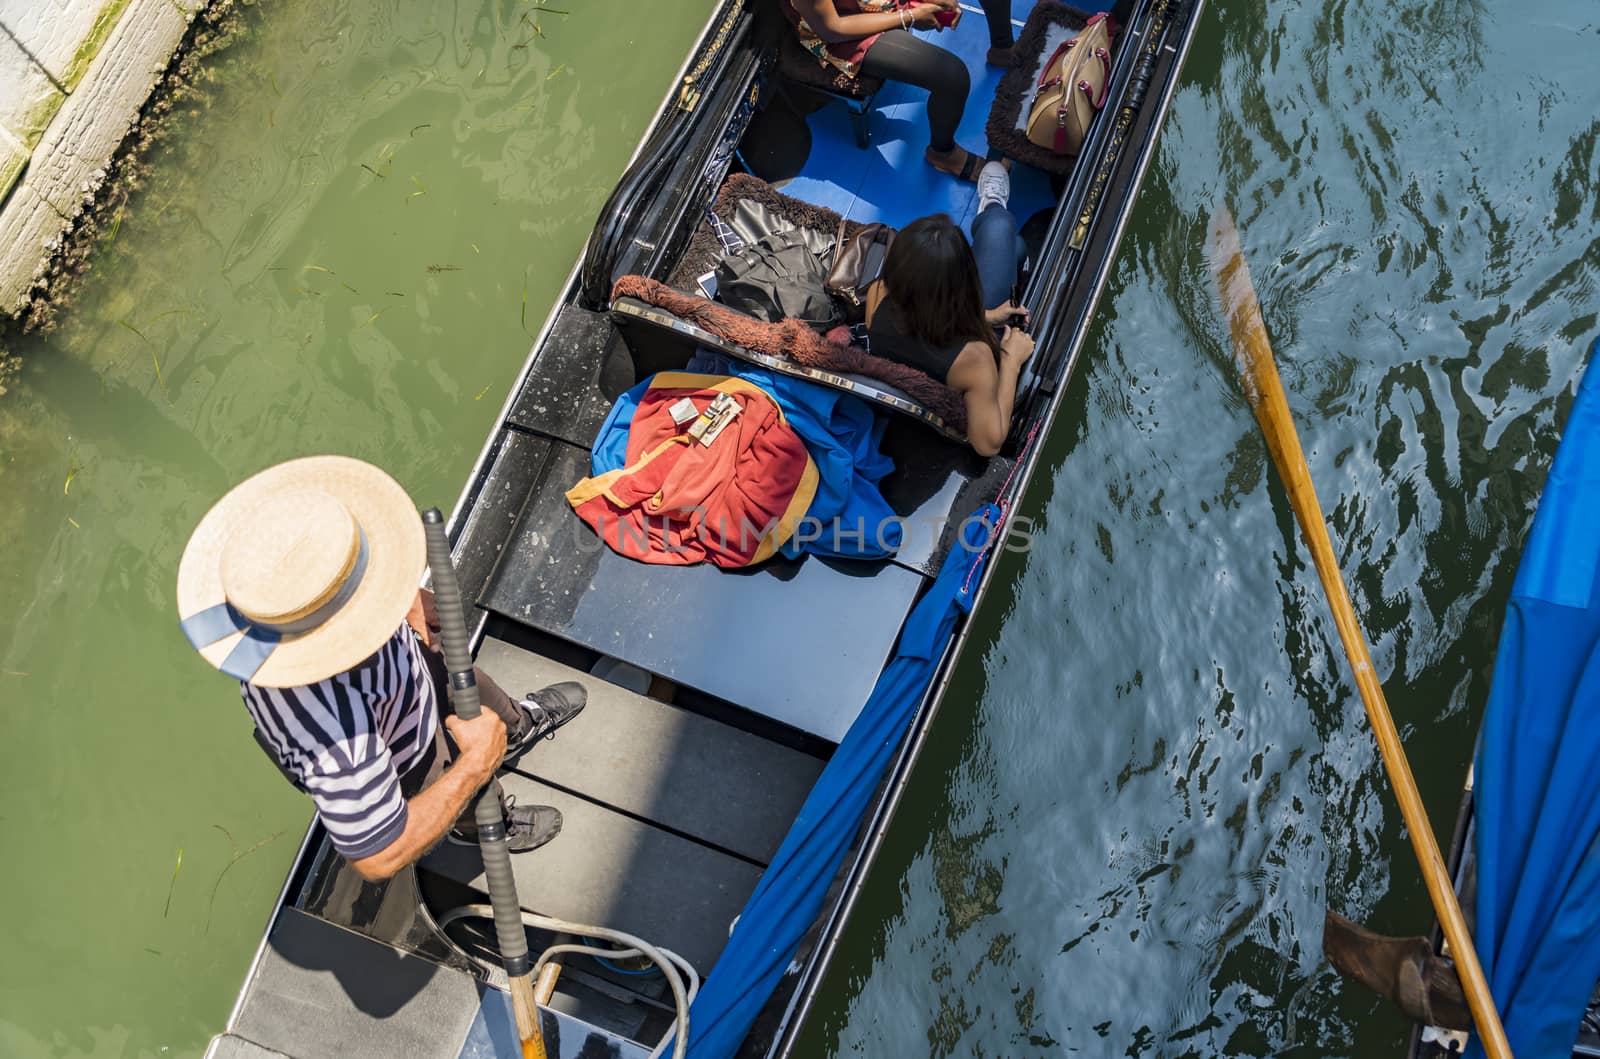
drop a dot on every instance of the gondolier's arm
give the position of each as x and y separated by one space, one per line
482 743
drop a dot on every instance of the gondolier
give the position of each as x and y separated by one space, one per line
301 583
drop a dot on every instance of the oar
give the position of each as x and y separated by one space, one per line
491 822
1259 374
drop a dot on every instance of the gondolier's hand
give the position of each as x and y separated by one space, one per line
1016 346
482 741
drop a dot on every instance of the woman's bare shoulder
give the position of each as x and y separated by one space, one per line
973 367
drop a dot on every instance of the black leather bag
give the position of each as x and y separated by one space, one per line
777 277
856 263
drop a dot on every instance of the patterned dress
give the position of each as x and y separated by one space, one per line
844 56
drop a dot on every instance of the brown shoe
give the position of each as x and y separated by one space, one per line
958 162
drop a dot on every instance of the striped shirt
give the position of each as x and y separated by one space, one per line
347 740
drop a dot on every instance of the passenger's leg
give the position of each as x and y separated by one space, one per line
998 248
998 14
900 56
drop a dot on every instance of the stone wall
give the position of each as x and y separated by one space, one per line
73 75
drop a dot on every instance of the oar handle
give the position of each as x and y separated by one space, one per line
464 700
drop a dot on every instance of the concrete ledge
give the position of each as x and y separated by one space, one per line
13 159
28 224
73 75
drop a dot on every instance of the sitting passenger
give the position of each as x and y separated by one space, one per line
939 300
872 37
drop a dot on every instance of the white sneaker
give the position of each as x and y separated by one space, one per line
994 185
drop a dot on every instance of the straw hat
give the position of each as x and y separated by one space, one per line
301 572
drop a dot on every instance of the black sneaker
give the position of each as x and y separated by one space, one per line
548 709
527 827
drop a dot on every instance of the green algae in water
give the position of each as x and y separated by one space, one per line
138 747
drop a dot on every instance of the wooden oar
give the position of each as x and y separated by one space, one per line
491 821
1259 374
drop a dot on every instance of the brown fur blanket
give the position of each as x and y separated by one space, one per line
796 341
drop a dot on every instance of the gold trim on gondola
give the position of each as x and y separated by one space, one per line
689 94
1155 33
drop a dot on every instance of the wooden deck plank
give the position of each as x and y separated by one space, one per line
675 768
609 870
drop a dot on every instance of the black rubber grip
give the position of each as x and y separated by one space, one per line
464 700
501 882
452 615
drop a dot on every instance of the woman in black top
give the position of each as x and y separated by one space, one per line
927 310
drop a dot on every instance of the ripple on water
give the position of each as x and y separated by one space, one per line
1153 774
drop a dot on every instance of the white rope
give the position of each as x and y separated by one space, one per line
669 962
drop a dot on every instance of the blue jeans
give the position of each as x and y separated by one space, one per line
999 251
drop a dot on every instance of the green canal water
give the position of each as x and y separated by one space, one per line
347 247
1152 774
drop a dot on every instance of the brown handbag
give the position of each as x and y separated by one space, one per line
1072 88
856 263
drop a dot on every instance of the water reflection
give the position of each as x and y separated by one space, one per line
1154 772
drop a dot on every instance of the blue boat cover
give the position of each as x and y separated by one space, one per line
790 893
848 518
1538 768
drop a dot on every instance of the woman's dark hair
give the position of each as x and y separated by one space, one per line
932 278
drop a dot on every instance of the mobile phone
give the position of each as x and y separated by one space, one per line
946 19
1018 320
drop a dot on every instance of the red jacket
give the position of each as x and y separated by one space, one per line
678 502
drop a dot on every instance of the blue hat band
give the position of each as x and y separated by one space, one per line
261 638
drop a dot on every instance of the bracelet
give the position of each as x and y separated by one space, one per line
905 18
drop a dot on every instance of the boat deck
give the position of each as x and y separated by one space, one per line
750 638
324 992
655 761
648 845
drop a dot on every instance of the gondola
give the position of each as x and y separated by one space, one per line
717 697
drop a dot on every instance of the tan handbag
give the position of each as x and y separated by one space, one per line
1072 87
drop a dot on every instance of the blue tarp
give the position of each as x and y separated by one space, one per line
840 432
1538 768
790 893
